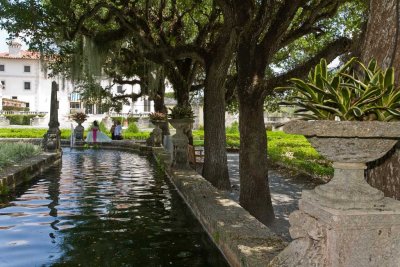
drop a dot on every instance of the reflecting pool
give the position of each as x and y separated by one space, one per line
102 208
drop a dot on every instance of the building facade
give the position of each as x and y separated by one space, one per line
23 77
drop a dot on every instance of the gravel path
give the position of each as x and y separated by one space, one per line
285 190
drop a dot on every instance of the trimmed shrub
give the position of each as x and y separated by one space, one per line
19 119
234 128
136 136
132 128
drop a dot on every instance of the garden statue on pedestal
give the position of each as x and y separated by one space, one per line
79 118
157 118
181 118
337 222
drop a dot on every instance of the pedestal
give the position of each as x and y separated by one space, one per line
157 133
342 238
180 143
78 132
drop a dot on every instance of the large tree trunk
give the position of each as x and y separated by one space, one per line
381 41
215 168
255 196
382 34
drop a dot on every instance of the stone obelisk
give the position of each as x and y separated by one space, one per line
52 139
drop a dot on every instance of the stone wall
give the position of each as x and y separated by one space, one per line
24 171
242 239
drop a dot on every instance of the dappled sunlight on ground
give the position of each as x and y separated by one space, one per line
285 190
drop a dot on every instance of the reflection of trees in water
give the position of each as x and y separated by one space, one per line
126 214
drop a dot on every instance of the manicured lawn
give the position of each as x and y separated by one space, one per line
292 150
11 153
29 133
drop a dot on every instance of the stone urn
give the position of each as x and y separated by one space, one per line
79 130
157 132
180 142
349 145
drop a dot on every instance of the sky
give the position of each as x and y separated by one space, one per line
3 45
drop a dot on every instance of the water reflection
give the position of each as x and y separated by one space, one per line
102 208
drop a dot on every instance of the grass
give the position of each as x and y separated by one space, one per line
11 153
29 133
292 150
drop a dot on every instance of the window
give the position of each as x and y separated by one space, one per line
119 89
146 105
27 68
27 105
3 84
75 105
14 97
2 68
27 85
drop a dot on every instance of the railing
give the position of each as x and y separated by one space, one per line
10 112
137 115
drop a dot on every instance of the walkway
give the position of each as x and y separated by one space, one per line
285 190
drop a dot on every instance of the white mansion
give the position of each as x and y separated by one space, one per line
24 81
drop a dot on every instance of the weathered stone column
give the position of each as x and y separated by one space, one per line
345 223
51 141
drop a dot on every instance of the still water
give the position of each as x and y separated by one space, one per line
102 208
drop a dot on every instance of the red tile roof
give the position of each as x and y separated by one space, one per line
23 54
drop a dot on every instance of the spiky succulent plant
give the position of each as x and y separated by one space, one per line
181 112
354 92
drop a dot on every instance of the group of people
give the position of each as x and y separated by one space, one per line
96 136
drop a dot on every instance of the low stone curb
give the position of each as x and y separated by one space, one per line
242 239
24 171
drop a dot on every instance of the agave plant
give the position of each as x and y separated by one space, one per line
181 112
157 116
354 92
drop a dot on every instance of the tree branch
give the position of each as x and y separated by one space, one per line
330 52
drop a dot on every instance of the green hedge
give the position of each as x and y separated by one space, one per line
136 136
122 119
18 119
29 133
15 108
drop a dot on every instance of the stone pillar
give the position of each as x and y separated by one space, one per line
51 141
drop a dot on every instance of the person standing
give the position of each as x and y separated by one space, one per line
113 129
118 131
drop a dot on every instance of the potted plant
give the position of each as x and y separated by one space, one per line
353 116
181 118
157 118
79 118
